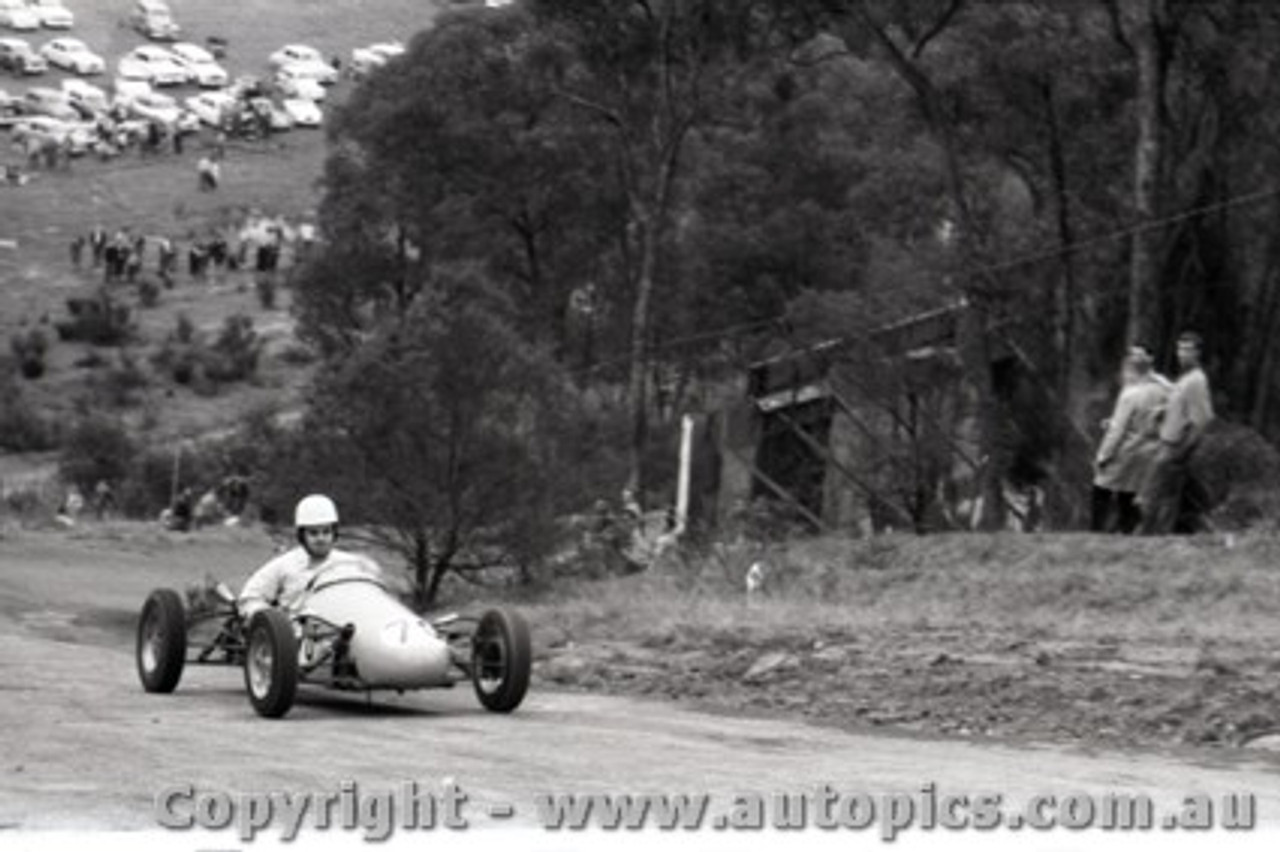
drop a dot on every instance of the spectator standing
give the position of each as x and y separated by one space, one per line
1128 448
209 173
1172 500
77 250
97 244
104 499
167 259
183 509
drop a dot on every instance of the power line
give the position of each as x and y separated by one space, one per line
1132 230
985 269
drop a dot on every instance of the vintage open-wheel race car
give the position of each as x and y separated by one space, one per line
350 633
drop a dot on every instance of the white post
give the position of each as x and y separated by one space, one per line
686 464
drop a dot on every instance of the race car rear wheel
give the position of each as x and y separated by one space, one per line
162 641
271 663
501 657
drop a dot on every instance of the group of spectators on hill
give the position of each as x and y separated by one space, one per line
1143 480
257 245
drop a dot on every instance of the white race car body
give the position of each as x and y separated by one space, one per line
349 633
391 645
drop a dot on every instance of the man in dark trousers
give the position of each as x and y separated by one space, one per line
1172 500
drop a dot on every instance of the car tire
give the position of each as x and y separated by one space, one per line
161 650
271 663
501 660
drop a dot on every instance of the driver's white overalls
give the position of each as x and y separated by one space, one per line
282 582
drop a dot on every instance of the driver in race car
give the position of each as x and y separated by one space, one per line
283 581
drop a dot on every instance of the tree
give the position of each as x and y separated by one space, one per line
463 155
652 74
449 422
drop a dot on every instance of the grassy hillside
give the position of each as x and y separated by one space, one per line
158 195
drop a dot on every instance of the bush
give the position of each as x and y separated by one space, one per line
297 356
100 321
29 349
96 448
22 429
179 355
118 388
90 360
234 355
265 285
185 331
148 293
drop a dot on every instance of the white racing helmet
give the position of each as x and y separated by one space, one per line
315 510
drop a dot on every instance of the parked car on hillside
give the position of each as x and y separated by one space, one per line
123 90
212 108
276 117
73 55
153 19
45 100
18 57
154 64
247 86
53 15
10 108
293 82
303 111
155 107
86 96
366 59
306 61
78 137
202 68
17 15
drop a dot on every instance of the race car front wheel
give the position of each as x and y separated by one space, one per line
271 663
501 658
162 641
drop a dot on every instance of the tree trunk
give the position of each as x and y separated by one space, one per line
421 571
1144 324
975 348
636 479
1065 294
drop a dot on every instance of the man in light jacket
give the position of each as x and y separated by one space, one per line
1172 501
1129 447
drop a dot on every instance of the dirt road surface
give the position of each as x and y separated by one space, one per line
85 748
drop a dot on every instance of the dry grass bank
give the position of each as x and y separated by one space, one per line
1061 637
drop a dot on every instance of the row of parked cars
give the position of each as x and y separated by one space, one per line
179 64
299 70
34 14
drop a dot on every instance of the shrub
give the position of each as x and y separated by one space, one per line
297 356
29 349
179 355
234 355
100 321
22 429
26 502
96 448
119 386
185 331
148 293
91 360
265 285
